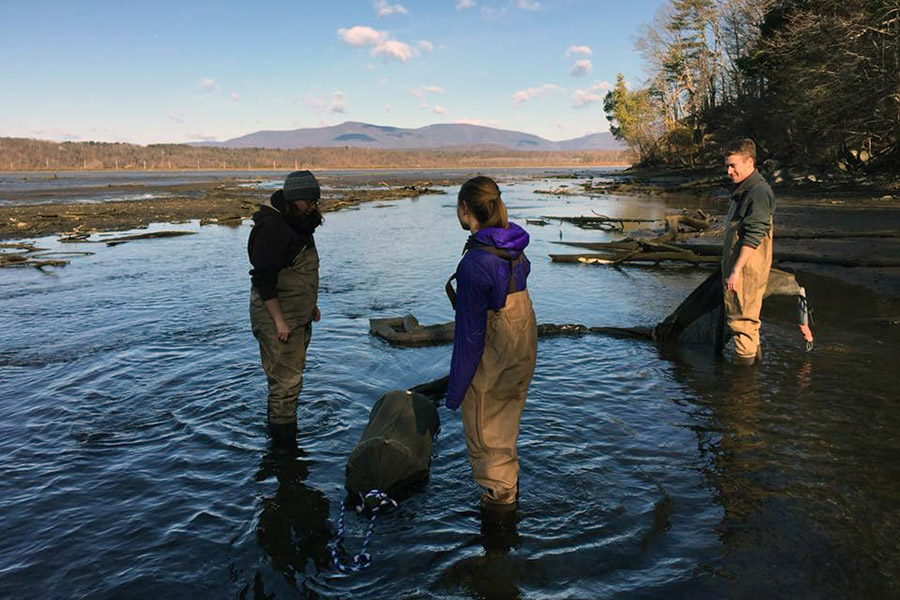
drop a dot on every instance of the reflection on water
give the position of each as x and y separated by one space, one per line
493 574
137 464
292 527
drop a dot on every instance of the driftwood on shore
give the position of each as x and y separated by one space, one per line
698 253
33 256
638 250
633 258
666 248
601 222
84 238
674 224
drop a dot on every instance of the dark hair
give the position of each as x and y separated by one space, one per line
743 146
482 197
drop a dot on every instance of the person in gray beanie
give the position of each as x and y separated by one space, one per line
284 292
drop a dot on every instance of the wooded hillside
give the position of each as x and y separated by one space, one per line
17 154
816 83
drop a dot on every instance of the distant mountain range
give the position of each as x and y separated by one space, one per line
451 135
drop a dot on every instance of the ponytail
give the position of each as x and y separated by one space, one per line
482 197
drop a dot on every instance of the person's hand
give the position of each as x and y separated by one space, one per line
733 282
284 332
317 316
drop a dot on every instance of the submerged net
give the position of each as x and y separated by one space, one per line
394 452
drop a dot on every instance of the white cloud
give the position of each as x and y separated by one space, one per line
574 50
438 109
235 97
392 49
385 9
559 125
382 45
209 84
360 36
582 98
338 103
464 4
176 117
387 108
419 92
582 68
525 95
528 5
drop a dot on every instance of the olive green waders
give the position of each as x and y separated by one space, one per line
492 407
283 362
742 306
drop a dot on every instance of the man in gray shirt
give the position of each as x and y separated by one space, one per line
747 250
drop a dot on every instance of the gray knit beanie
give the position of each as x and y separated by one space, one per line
301 185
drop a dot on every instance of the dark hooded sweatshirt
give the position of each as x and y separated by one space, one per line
482 283
275 241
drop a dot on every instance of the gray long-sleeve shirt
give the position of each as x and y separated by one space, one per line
753 204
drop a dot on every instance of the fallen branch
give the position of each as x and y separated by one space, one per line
706 253
83 238
14 261
629 258
580 220
27 246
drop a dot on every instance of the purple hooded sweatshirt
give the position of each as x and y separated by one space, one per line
482 283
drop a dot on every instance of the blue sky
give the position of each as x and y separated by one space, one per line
160 71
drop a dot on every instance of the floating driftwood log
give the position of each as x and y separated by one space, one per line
84 238
698 320
33 256
13 261
406 331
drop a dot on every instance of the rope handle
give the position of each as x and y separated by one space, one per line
376 501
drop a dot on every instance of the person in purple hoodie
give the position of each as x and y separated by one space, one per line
495 339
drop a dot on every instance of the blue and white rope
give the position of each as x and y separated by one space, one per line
376 501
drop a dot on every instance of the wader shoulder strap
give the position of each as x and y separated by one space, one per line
451 293
513 262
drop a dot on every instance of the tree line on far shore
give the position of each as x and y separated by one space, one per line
19 154
816 83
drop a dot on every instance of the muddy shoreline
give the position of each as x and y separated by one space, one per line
842 222
211 202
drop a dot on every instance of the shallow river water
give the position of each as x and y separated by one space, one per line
135 461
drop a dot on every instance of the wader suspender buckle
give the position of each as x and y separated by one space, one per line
513 262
